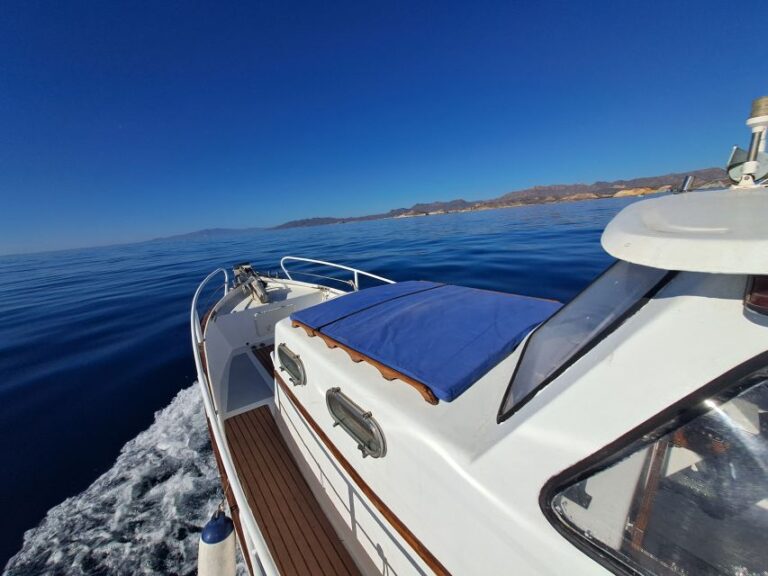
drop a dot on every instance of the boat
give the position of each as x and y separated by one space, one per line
366 426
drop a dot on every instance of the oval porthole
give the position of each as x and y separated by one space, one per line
356 422
292 365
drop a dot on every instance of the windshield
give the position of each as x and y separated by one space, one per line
578 326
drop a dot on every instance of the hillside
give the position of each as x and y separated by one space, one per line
706 177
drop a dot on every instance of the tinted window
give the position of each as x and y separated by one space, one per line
577 326
690 498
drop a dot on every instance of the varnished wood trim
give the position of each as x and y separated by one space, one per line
650 490
264 356
422 551
387 372
204 321
201 351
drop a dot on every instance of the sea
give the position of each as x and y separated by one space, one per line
106 462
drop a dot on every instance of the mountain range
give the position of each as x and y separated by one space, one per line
703 178
706 177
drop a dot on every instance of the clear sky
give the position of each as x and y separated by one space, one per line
127 121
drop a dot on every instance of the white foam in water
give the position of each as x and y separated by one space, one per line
144 515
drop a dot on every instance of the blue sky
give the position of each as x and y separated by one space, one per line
127 121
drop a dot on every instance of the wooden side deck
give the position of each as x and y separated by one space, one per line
300 537
263 356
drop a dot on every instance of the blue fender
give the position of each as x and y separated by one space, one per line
217 529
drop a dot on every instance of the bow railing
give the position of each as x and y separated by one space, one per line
356 273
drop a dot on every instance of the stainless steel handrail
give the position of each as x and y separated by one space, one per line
262 560
350 283
355 271
197 331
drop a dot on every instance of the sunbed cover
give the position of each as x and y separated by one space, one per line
446 337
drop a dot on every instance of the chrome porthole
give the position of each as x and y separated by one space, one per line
356 422
291 364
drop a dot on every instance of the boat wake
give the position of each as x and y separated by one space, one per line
144 515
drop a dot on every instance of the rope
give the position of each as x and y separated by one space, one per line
224 497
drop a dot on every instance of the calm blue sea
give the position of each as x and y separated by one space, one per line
106 463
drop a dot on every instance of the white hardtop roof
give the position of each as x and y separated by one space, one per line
721 231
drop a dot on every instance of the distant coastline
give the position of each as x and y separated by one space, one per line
556 193
706 177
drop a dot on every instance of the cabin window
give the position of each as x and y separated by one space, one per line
291 364
574 329
356 422
756 296
688 497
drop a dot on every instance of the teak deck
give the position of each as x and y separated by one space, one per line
300 537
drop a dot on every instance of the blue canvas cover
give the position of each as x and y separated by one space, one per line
446 337
318 316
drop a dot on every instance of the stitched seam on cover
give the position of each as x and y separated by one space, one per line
320 328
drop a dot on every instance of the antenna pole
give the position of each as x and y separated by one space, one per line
758 121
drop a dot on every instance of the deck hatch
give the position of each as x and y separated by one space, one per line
356 422
291 364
